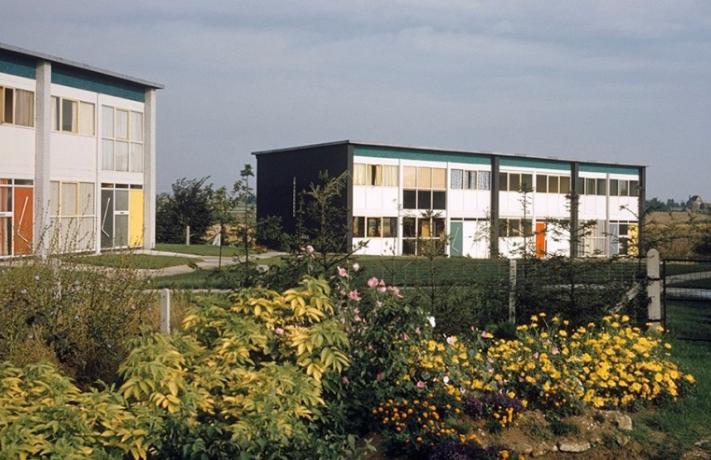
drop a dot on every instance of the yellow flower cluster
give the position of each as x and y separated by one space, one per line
609 365
419 420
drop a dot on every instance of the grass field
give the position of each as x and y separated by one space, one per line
200 249
140 261
687 421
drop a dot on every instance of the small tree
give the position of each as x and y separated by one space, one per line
190 204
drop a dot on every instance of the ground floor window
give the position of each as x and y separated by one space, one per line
423 235
374 227
73 215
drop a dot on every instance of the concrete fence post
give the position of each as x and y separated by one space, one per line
165 311
512 290
187 235
654 288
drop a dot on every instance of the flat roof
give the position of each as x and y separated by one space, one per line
437 149
79 65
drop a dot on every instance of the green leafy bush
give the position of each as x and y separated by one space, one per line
43 415
76 316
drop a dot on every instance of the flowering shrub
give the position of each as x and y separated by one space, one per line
611 365
504 409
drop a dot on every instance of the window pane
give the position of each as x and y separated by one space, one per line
484 179
503 227
424 177
424 230
390 227
54 198
438 227
136 126
359 174
514 182
121 124
390 178
470 180
375 175
86 120
590 186
565 185
409 247
439 200
373 227
25 108
634 188
136 160
456 180
86 198
439 178
107 122
54 113
424 199
121 230
503 182
541 183
408 227
553 184
107 154
69 199
614 187
121 197
5 199
121 156
409 177
9 104
358 227
69 116
526 182
624 188
409 199
601 187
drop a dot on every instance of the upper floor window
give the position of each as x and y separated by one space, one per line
515 182
552 184
461 179
375 175
17 106
121 139
72 116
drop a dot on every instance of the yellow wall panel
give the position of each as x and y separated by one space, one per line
135 218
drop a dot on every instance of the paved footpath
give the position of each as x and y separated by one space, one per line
206 262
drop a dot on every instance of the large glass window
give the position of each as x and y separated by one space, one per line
17 106
423 235
70 116
122 140
422 188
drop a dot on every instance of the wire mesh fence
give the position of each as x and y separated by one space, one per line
687 298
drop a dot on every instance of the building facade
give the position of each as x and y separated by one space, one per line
77 156
408 200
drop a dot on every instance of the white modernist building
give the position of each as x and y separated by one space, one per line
402 200
77 156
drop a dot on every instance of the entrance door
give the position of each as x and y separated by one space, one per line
456 239
107 218
24 211
540 239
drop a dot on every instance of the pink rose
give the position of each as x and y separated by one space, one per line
356 267
420 384
353 295
372 282
342 272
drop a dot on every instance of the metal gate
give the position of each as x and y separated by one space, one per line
686 298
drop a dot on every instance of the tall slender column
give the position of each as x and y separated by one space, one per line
43 100
149 170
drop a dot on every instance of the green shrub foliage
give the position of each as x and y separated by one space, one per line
78 317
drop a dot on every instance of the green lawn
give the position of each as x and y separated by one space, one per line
687 421
140 261
200 249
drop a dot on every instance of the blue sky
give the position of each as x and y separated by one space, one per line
600 80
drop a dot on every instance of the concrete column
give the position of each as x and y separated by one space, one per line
43 100
149 169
